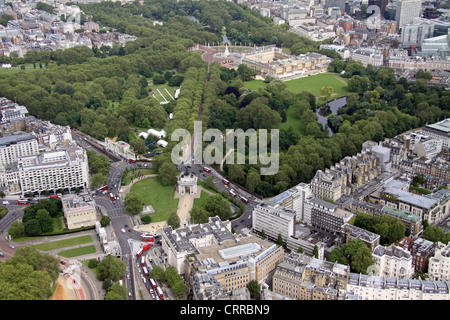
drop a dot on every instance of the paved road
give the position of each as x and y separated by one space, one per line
243 222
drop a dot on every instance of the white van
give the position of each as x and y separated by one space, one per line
6 202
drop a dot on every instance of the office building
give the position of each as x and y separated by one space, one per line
406 11
414 33
294 199
302 277
327 216
235 262
439 130
180 243
273 220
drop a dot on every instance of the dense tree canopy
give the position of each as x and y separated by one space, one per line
28 275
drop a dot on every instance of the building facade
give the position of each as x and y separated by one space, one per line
79 211
439 264
51 171
273 220
393 262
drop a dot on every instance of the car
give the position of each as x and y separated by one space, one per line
242 220
249 216
62 262
5 202
123 230
11 246
129 230
1 254
126 226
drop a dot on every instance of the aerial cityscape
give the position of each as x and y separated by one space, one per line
242 151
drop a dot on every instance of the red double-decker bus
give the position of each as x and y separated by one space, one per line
244 200
159 293
139 253
111 196
206 169
152 283
144 269
23 202
102 189
147 238
143 262
55 197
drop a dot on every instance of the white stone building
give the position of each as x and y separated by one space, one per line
439 265
79 211
393 262
63 169
274 220
364 287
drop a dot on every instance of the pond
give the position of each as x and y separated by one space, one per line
328 108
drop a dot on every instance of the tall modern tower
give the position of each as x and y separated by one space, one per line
406 11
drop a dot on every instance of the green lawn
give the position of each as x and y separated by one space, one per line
131 175
153 89
160 197
201 202
311 84
77 251
63 243
293 120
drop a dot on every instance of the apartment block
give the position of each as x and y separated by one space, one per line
349 175
422 250
406 11
439 264
13 147
364 287
393 262
350 232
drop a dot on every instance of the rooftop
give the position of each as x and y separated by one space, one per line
411 198
443 126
